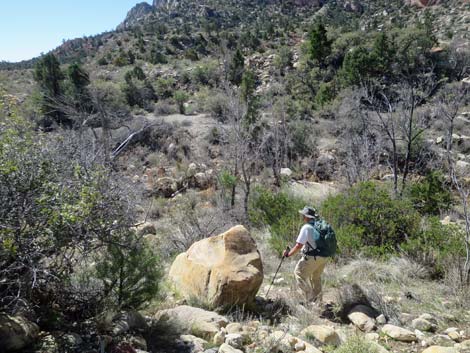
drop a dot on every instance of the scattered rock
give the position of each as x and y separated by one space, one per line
234 327
372 336
128 321
234 339
222 270
405 318
286 172
322 333
454 335
219 338
165 187
201 323
423 325
195 343
225 348
360 317
381 319
399 333
16 332
300 346
146 228
438 349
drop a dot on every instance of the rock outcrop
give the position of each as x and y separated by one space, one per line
16 333
135 15
221 270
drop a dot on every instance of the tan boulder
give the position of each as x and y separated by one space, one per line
399 333
16 332
322 333
187 319
438 349
222 270
226 348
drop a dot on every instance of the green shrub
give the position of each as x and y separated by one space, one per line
431 196
131 273
180 98
356 344
367 219
278 211
435 245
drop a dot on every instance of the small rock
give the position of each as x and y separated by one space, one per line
234 339
234 327
429 317
399 333
219 338
438 349
465 344
197 344
423 325
286 172
362 321
454 335
372 336
16 332
299 346
322 333
381 319
405 318
225 348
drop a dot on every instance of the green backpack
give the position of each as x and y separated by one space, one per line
326 245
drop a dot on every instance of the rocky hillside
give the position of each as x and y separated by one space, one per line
152 176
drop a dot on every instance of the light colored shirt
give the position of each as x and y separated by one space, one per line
307 234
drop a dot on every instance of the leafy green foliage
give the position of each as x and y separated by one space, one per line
59 212
131 273
367 219
319 46
431 196
237 67
180 98
435 245
278 211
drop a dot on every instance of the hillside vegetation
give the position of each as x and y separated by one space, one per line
120 151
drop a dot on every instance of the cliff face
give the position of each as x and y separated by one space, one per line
135 15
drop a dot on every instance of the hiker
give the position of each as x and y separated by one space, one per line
318 242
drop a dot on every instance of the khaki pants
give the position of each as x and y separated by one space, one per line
308 276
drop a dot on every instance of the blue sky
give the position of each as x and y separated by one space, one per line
29 27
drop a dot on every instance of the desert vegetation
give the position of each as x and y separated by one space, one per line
120 151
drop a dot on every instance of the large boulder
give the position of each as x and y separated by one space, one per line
221 270
16 332
187 319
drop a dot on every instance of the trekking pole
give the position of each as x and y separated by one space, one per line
278 268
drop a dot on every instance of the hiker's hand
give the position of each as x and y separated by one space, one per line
285 253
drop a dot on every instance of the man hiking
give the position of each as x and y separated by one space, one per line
318 242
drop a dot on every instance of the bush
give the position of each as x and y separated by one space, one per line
130 274
356 344
61 213
278 211
431 196
435 245
367 219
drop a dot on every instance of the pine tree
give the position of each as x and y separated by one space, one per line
49 76
236 68
319 47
